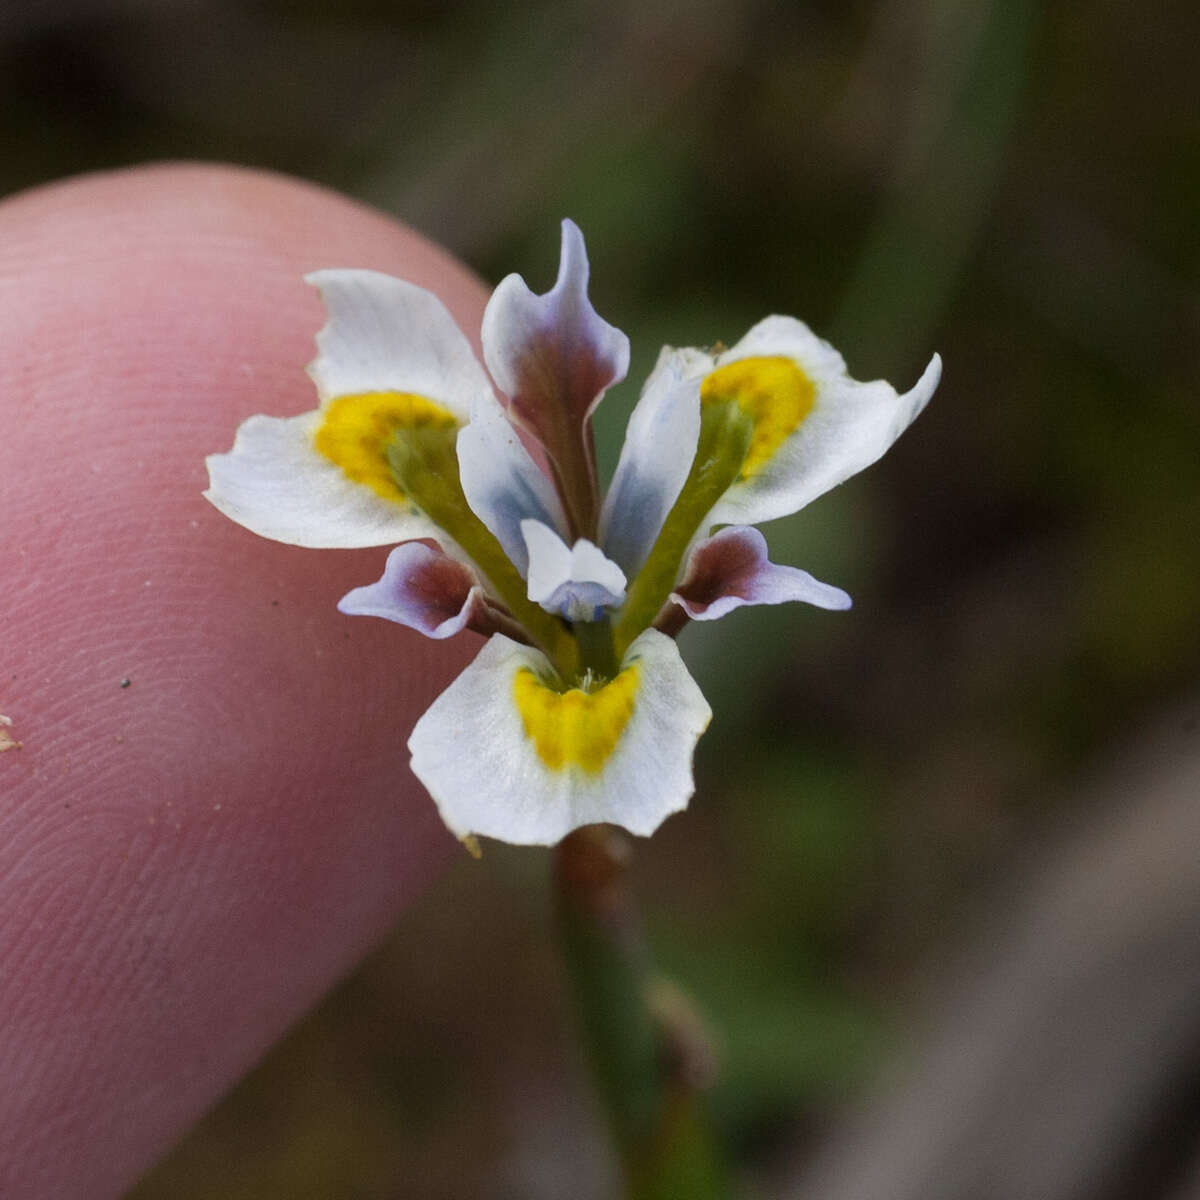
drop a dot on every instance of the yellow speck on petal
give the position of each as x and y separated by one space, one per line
575 728
356 431
773 391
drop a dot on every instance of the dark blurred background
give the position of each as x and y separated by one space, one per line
938 894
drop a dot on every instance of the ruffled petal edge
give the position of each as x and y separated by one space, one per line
472 752
276 484
384 334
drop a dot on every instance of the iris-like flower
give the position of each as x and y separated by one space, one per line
579 708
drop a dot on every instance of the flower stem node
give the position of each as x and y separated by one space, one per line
578 709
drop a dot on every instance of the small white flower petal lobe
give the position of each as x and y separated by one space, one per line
791 338
660 443
552 355
731 569
576 582
426 590
815 426
502 483
388 335
505 756
276 483
549 559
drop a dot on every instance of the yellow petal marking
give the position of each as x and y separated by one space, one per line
773 391
575 728
356 431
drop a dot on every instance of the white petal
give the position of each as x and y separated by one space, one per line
275 483
574 582
385 334
382 335
792 338
549 559
486 775
553 356
851 424
502 483
660 443
552 351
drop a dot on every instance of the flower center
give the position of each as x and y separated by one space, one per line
773 392
357 430
575 727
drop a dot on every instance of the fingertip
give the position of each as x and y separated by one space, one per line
211 807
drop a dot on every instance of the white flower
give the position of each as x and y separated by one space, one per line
579 709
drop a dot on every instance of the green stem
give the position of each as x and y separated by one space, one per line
597 652
425 464
725 435
649 1057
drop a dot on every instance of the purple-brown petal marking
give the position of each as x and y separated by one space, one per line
553 356
425 589
731 569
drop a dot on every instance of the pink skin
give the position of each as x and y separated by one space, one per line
188 862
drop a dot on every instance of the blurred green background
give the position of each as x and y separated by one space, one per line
1010 183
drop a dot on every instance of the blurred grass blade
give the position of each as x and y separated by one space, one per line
916 250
